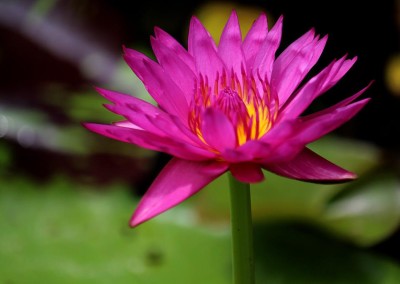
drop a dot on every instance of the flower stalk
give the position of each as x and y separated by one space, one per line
242 232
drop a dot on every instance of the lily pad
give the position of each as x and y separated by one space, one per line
366 211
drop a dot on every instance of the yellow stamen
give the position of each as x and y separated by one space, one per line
252 113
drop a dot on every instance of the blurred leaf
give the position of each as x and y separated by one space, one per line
88 105
34 129
66 233
70 233
5 157
366 211
298 253
42 7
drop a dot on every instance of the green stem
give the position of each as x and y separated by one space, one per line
242 232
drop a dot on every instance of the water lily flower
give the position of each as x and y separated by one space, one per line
233 107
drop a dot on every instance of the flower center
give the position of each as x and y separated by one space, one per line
229 102
247 103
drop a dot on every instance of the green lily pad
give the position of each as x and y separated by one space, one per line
366 211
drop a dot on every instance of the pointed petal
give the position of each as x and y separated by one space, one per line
198 33
338 71
135 60
144 115
316 86
230 45
314 128
218 130
128 106
294 63
309 166
178 181
202 48
157 123
340 104
254 39
151 141
127 124
159 85
247 172
134 120
305 131
169 42
120 98
179 71
264 60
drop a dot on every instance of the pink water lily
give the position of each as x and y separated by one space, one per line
233 107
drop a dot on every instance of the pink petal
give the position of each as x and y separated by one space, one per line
169 42
158 84
264 60
281 144
308 166
181 73
151 141
230 46
144 115
246 152
157 123
127 124
341 104
254 39
280 132
128 103
292 51
314 128
306 94
135 61
294 63
305 131
186 131
197 33
178 181
204 51
120 98
316 86
247 172
218 130
340 68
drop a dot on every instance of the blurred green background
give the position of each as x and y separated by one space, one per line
66 195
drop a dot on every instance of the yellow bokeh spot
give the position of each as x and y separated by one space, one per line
392 76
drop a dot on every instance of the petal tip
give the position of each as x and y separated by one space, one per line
345 177
88 125
134 222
